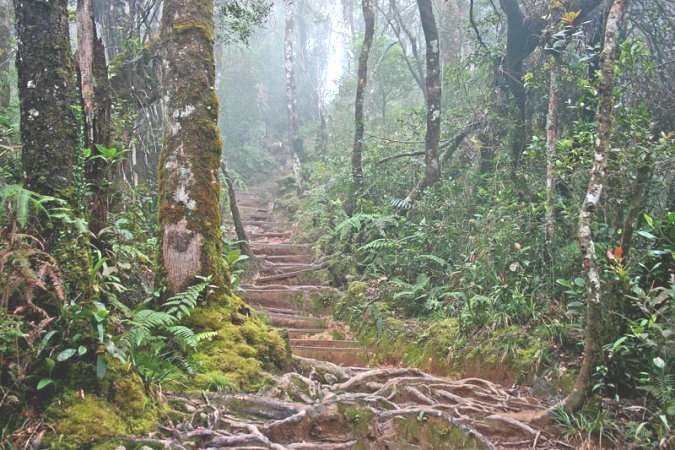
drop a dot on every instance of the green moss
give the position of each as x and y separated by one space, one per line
236 359
360 418
81 422
124 388
429 432
191 24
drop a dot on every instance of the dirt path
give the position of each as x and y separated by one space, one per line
331 400
285 285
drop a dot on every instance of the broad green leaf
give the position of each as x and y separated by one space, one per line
101 367
44 383
649 220
66 354
647 235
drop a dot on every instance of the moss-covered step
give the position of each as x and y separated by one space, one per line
299 259
243 209
284 268
260 234
275 225
294 321
298 300
265 248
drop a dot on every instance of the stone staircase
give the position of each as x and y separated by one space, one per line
285 290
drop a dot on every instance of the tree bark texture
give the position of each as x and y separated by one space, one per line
95 97
432 170
45 69
593 326
359 121
239 229
189 181
294 139
6 50
551 139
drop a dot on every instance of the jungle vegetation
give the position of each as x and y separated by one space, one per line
489 181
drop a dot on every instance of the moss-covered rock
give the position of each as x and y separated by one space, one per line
79 422
92 411
244 348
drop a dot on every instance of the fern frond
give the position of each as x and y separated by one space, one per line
379 244
401 203
150 319
181 333
182 303
440 261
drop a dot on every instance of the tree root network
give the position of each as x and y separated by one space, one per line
324 406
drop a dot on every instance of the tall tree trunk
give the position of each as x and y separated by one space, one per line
49 129
96 105
6 50
294 139
551 139
45 69
359 121
432 171
189 182
242 238
593 326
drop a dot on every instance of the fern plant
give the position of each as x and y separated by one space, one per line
148 324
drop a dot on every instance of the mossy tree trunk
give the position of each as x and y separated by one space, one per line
95 98
359 121
554 56
551 139
432 166
593 326
6 50
49 129
189 181
45 70
294 139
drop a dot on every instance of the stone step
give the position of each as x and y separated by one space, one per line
264 223
291 312
282 268
276 300
282 287
265 248
298 259
324 343
295 322
296 333
339 356
263 234
253 209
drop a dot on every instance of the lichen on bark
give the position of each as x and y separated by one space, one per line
45 72
190 239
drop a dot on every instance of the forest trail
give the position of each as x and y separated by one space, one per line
329 399
285 288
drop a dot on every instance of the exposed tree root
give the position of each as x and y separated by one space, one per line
324 406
